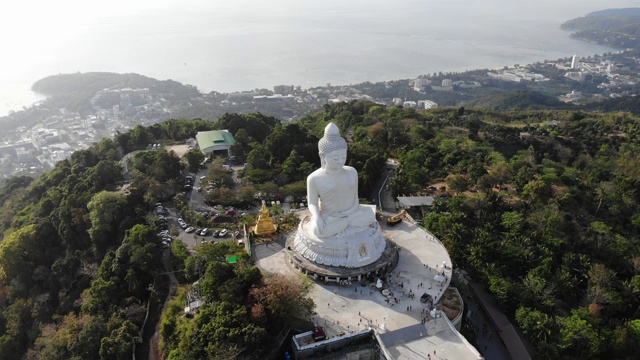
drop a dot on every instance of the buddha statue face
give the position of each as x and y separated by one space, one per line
332 148
335 160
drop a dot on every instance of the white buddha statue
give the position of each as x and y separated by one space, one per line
332 191
340 231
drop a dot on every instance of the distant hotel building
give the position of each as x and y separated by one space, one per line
575 62
447 85
421 104
427 104
420 84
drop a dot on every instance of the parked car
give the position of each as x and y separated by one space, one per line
204 232
202 177
223 233
190 229
216 233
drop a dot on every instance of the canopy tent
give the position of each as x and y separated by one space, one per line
408 201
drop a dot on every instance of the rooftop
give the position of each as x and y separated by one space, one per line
214 138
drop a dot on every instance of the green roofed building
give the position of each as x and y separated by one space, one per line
215 140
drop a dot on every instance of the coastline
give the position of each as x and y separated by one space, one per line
18 97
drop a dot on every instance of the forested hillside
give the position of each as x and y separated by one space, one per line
89 83
74 92
539 205
518 100
614 27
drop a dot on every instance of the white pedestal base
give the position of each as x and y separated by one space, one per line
352 251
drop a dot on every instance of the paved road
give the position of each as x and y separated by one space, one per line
487 342
153 351
380 195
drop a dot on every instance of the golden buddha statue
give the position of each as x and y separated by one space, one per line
265 225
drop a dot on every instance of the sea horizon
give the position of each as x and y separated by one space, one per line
225 47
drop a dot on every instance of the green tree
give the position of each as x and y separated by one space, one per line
537 325
457 183
119 344
106 210
536 190
578 338
194 159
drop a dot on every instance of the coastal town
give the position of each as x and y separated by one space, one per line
31 149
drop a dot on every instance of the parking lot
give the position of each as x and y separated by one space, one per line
192 237
197 204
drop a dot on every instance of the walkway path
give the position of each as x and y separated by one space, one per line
152 341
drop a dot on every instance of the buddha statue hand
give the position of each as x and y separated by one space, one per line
318 225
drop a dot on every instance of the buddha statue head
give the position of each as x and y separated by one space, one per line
332 143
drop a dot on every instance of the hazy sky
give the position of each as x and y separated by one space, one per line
28 28
26 23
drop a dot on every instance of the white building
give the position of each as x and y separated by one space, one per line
427 104
420 84
23 154
575 62
576 75
409 104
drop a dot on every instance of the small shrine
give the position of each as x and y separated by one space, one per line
265 225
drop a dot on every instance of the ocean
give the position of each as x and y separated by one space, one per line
239 45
